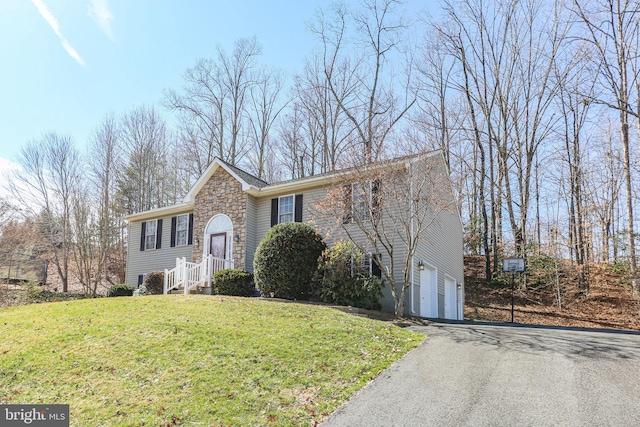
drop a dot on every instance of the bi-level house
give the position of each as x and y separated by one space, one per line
228 211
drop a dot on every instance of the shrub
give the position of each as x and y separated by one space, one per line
154 282
234 282
287 259
343 283
122 290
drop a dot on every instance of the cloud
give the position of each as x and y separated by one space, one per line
55 26
99 12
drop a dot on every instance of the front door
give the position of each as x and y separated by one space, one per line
218 245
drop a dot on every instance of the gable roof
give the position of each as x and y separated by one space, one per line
258 187
247 180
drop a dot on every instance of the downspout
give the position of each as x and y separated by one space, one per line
411 236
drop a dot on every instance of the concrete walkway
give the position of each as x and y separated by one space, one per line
481 374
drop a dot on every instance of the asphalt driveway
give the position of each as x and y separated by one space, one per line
479 374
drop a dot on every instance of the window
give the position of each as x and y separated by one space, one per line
182 229
360 204
150 234
361 201
285 209
365 266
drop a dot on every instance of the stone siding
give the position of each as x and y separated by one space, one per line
222 194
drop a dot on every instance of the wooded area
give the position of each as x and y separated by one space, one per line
535 105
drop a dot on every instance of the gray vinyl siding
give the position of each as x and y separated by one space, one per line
142 262
309 200
251 235
441 247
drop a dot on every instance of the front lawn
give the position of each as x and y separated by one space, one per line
194 360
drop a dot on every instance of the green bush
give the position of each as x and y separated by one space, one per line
122 290
287 259
234 282
154 282
343 283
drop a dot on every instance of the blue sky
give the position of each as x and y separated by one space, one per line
65 64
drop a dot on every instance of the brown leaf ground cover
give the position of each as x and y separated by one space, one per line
607 303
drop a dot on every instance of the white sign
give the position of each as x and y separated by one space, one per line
513 265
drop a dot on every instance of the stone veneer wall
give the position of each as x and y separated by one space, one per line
222 194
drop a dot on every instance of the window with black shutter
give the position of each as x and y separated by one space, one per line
298 208
151 235
346 217
286 209
190 241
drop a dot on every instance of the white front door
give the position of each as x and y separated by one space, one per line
429 292
450 299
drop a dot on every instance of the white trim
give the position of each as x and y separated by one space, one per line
204 178
186 239
450 298
160 212
429 291
155 234
226 226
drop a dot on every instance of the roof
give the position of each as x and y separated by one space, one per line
247 180
246 176
258 187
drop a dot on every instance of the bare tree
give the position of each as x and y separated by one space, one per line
264 109
213 105
147 171
202 113
359 51
44 187
612 30
98 227
387 210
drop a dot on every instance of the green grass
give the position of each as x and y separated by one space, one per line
196 360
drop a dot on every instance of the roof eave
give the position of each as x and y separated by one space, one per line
179 208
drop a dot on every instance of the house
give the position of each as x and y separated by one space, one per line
228 211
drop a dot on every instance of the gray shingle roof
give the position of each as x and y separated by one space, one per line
246 176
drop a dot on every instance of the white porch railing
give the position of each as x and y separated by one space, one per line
189 275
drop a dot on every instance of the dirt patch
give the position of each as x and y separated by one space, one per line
607 303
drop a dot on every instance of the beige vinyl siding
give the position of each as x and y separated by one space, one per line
142 262
251 236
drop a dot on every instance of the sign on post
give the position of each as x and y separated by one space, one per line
513 265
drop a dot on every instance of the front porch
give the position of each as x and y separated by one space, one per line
190 276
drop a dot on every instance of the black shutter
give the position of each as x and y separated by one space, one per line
142 235
140 279
375 198
190 229
346 216
159 234
298 208
274 211
375 268
173 231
